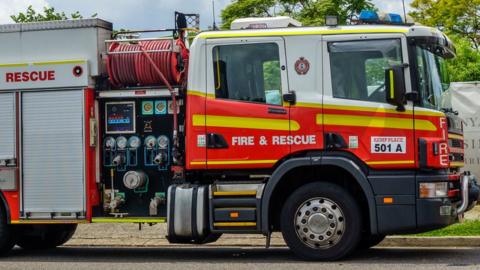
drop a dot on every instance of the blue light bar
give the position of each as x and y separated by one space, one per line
368 16
394 18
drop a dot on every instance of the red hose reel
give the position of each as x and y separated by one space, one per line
128 65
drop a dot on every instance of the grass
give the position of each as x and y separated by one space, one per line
468 228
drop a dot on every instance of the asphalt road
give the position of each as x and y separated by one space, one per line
187 258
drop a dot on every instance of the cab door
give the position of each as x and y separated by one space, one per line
355 106
246 122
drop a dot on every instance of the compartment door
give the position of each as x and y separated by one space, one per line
7 124
53 154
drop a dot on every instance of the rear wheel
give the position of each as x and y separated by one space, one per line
321 221
45 236
6 234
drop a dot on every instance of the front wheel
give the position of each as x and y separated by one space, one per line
321 221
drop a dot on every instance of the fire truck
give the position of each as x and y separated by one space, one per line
334 136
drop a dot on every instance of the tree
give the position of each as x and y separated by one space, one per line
49 14
465 67
309 12
459 17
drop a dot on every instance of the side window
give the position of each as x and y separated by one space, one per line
248 72
358 68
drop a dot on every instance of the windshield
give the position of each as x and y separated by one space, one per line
432 77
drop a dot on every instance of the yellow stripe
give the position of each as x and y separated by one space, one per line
391 162
233 162
455 136
457 164
377 110
245 122
213 34
308 105
235 193
235 224
49 221
392 85
14 65
129 220
200 94
374 122
64 62
44 63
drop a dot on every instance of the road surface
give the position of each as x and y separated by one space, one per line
188 258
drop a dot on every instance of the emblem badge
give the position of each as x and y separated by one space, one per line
302 66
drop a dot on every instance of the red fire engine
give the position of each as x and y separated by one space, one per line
334 136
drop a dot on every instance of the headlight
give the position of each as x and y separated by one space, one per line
163 142
110 143
434 190
121 143
150 142
134 142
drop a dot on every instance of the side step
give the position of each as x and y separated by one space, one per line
235 208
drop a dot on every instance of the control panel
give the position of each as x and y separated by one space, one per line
136 156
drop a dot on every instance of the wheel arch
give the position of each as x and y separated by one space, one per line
339 162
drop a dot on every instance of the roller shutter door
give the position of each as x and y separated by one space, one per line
53 153
7 126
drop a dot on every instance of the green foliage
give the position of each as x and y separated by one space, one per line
465 67
460 19
468 228
309 12
271 73
49 14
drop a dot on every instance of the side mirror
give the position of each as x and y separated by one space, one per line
395 87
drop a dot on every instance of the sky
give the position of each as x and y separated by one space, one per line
143 14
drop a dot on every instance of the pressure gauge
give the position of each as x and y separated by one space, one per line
121 143
110 143
150 142
134 142
163 142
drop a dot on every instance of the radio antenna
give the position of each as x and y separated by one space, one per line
213 11
404 11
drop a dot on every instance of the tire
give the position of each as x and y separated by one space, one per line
369 241
46 237
7 241
324 205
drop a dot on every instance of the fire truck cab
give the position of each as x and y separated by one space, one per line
334 136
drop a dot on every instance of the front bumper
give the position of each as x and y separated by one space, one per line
415 215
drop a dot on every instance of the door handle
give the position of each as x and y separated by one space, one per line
272 110
216 141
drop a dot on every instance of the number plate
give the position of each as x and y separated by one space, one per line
388 145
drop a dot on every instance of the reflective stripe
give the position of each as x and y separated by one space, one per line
390 162
392 85
374 122
44 63
245 122
200 94
418 111
129 220
233 162
235 224
455 136
49 222
229 34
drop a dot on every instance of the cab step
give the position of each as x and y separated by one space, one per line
235 208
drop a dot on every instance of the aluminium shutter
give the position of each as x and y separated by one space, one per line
53 152
7 126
